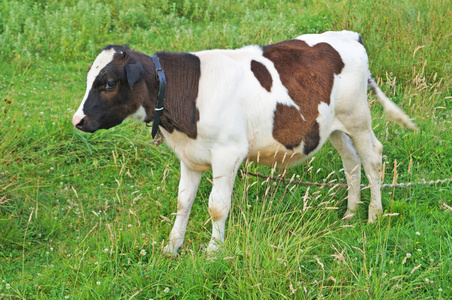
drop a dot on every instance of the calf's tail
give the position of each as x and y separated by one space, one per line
392 111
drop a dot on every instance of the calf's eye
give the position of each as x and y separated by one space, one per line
110 84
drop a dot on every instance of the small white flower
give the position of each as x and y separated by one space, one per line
418 233
96 263
419 250
143 252
391 262
166 290
51 249
98 282
66 297
408 255
7 286
427 280
440 290
130 225
47 253
105 250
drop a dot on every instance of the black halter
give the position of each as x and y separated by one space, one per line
161 95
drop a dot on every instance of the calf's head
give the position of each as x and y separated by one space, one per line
110 94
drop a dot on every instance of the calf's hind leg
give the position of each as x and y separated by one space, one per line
370 151
352 168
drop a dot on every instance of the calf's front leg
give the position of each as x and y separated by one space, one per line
188 186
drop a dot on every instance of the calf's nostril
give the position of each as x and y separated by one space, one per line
80 123
76 120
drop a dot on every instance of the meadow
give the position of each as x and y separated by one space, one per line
85 216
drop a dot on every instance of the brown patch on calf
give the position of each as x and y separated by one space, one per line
308 74
311 139
289 128
262 74
182 71
216 214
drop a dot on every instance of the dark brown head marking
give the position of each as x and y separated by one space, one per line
125 80
308 74
262 74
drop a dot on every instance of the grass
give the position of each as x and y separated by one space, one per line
86 216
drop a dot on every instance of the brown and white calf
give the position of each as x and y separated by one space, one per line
276 103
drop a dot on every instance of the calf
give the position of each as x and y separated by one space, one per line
277 103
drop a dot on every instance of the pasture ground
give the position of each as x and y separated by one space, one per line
86 216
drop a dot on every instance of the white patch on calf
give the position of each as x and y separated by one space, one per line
139 115
325 121
334 38
102 60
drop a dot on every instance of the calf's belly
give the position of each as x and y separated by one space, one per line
277 155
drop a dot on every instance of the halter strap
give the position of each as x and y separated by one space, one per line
161 95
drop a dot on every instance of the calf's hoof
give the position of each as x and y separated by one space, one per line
348 216
373 214
170 252
213 247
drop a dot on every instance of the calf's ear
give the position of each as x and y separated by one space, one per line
134 72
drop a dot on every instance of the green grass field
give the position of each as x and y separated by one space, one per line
86 216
